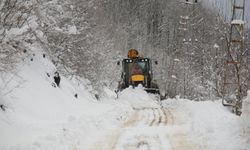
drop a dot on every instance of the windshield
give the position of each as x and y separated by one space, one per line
137 68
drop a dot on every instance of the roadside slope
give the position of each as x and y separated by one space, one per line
41 116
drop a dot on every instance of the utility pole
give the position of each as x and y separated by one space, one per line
232 90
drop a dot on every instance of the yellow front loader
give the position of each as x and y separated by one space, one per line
137 70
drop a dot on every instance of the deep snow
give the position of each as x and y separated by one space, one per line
40 116
211 125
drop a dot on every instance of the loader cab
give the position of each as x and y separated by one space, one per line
136 71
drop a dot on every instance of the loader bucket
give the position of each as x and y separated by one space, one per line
152 90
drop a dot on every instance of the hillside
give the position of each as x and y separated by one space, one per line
39 115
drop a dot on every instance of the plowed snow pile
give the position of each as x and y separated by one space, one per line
138 98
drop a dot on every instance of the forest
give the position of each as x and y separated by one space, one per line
87 37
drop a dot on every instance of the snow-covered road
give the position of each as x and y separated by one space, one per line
147 129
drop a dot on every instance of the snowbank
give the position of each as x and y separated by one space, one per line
208 122
41 116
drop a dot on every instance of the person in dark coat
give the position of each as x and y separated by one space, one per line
57 78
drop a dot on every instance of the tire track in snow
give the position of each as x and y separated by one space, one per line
154 117
150 118
160 116
168 117
145 130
